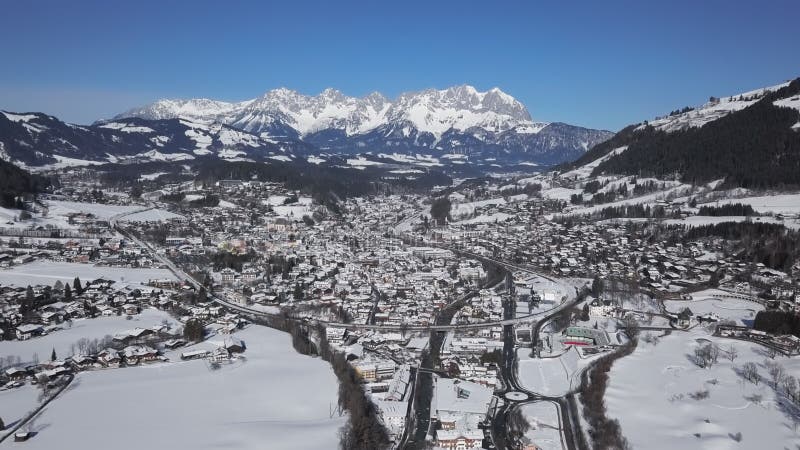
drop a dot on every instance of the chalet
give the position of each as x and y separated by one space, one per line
109 358
16 373
172 344
234 345
82 361
25 332
135 354
134 335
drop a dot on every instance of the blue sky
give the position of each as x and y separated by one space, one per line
600 64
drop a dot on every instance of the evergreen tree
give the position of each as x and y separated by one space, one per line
76 285
67 293
53 355
597 286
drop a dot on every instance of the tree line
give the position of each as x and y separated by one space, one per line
730 209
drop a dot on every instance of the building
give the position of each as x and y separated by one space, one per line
367 371
584 336
601 308
459 439
28 331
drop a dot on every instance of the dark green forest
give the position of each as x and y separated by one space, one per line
16 182
753 148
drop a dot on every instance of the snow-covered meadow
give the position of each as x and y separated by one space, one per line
545 430
651 394
44 272
272 398
553 376
659 396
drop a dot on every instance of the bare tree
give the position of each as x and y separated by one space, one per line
772 352
776 372
790 386
706 355
732 353
713 352
750 372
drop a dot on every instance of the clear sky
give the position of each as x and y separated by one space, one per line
600 64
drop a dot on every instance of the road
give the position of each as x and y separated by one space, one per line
514 395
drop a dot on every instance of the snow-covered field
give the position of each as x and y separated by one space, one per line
48 272
464 209
273 398
782 203
697 221
545 425
650 394
101 211
152 215
560 193
16 403
550 376
61 341
59 210
741 311
485 218
293 210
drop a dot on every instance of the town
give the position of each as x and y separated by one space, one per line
468 329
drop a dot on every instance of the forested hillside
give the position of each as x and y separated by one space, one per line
15 182
755 147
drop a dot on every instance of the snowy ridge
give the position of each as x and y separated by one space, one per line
431 111
714 109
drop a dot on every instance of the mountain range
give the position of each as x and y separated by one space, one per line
459 124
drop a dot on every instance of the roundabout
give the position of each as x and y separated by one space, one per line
516 396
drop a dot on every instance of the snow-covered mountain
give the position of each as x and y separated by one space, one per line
431 111
458 119
34 139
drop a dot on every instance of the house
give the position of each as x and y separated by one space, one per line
172 344
82 361
684 318
109 358
16 374
27 331
135 354
234 345
134 335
